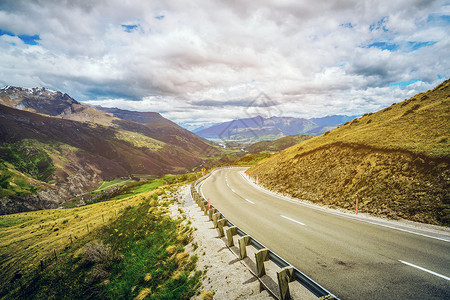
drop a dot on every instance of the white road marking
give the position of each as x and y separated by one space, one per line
409 231
425 270
298 222
285 198
249 201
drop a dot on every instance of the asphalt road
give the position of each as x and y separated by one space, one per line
352 257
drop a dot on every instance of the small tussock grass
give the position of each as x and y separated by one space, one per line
90 252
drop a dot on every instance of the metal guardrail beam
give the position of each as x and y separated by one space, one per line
299 276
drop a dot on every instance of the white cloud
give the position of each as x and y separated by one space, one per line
204 61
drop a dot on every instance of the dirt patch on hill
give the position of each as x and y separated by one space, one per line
396 184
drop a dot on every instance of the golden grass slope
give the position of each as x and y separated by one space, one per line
395 161
26 238
420 124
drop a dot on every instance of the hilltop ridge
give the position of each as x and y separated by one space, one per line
395 162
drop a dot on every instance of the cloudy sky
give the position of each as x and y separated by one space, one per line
202 62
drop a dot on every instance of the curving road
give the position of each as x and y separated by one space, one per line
351 256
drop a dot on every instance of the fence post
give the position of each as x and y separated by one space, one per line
216 217
285 276
220 224
243 242
230 233
261 256
212 211
205 207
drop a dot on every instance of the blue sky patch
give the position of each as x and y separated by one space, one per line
5 32
29 39
384 46
440 20
381 24
159 17
347 25
418 45
129 28
404 83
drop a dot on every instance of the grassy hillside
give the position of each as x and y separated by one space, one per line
277 145
36 150
128 247
395 161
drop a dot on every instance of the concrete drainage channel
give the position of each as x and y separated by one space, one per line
284 272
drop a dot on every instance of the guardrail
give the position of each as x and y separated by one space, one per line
287 273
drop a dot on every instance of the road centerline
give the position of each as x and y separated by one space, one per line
292 220
425 270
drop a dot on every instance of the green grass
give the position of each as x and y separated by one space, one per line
29 157
13 183
7 222
112 183
142 250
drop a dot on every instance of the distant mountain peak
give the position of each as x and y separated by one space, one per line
34 90
259 128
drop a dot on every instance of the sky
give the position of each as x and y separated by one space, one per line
203 62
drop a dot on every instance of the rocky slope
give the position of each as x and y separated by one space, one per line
395 162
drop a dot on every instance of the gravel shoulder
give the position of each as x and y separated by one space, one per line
225 275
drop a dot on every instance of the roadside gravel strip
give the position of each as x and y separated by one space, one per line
227 277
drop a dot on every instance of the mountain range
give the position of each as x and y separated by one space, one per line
258 128
53 148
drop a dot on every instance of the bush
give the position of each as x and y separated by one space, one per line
102 257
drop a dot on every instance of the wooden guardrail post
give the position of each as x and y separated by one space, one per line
220 224
212 211
327 297
243 243
285 276
216 217
232 231
205 207
261 256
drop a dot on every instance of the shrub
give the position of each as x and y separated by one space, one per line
102 257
